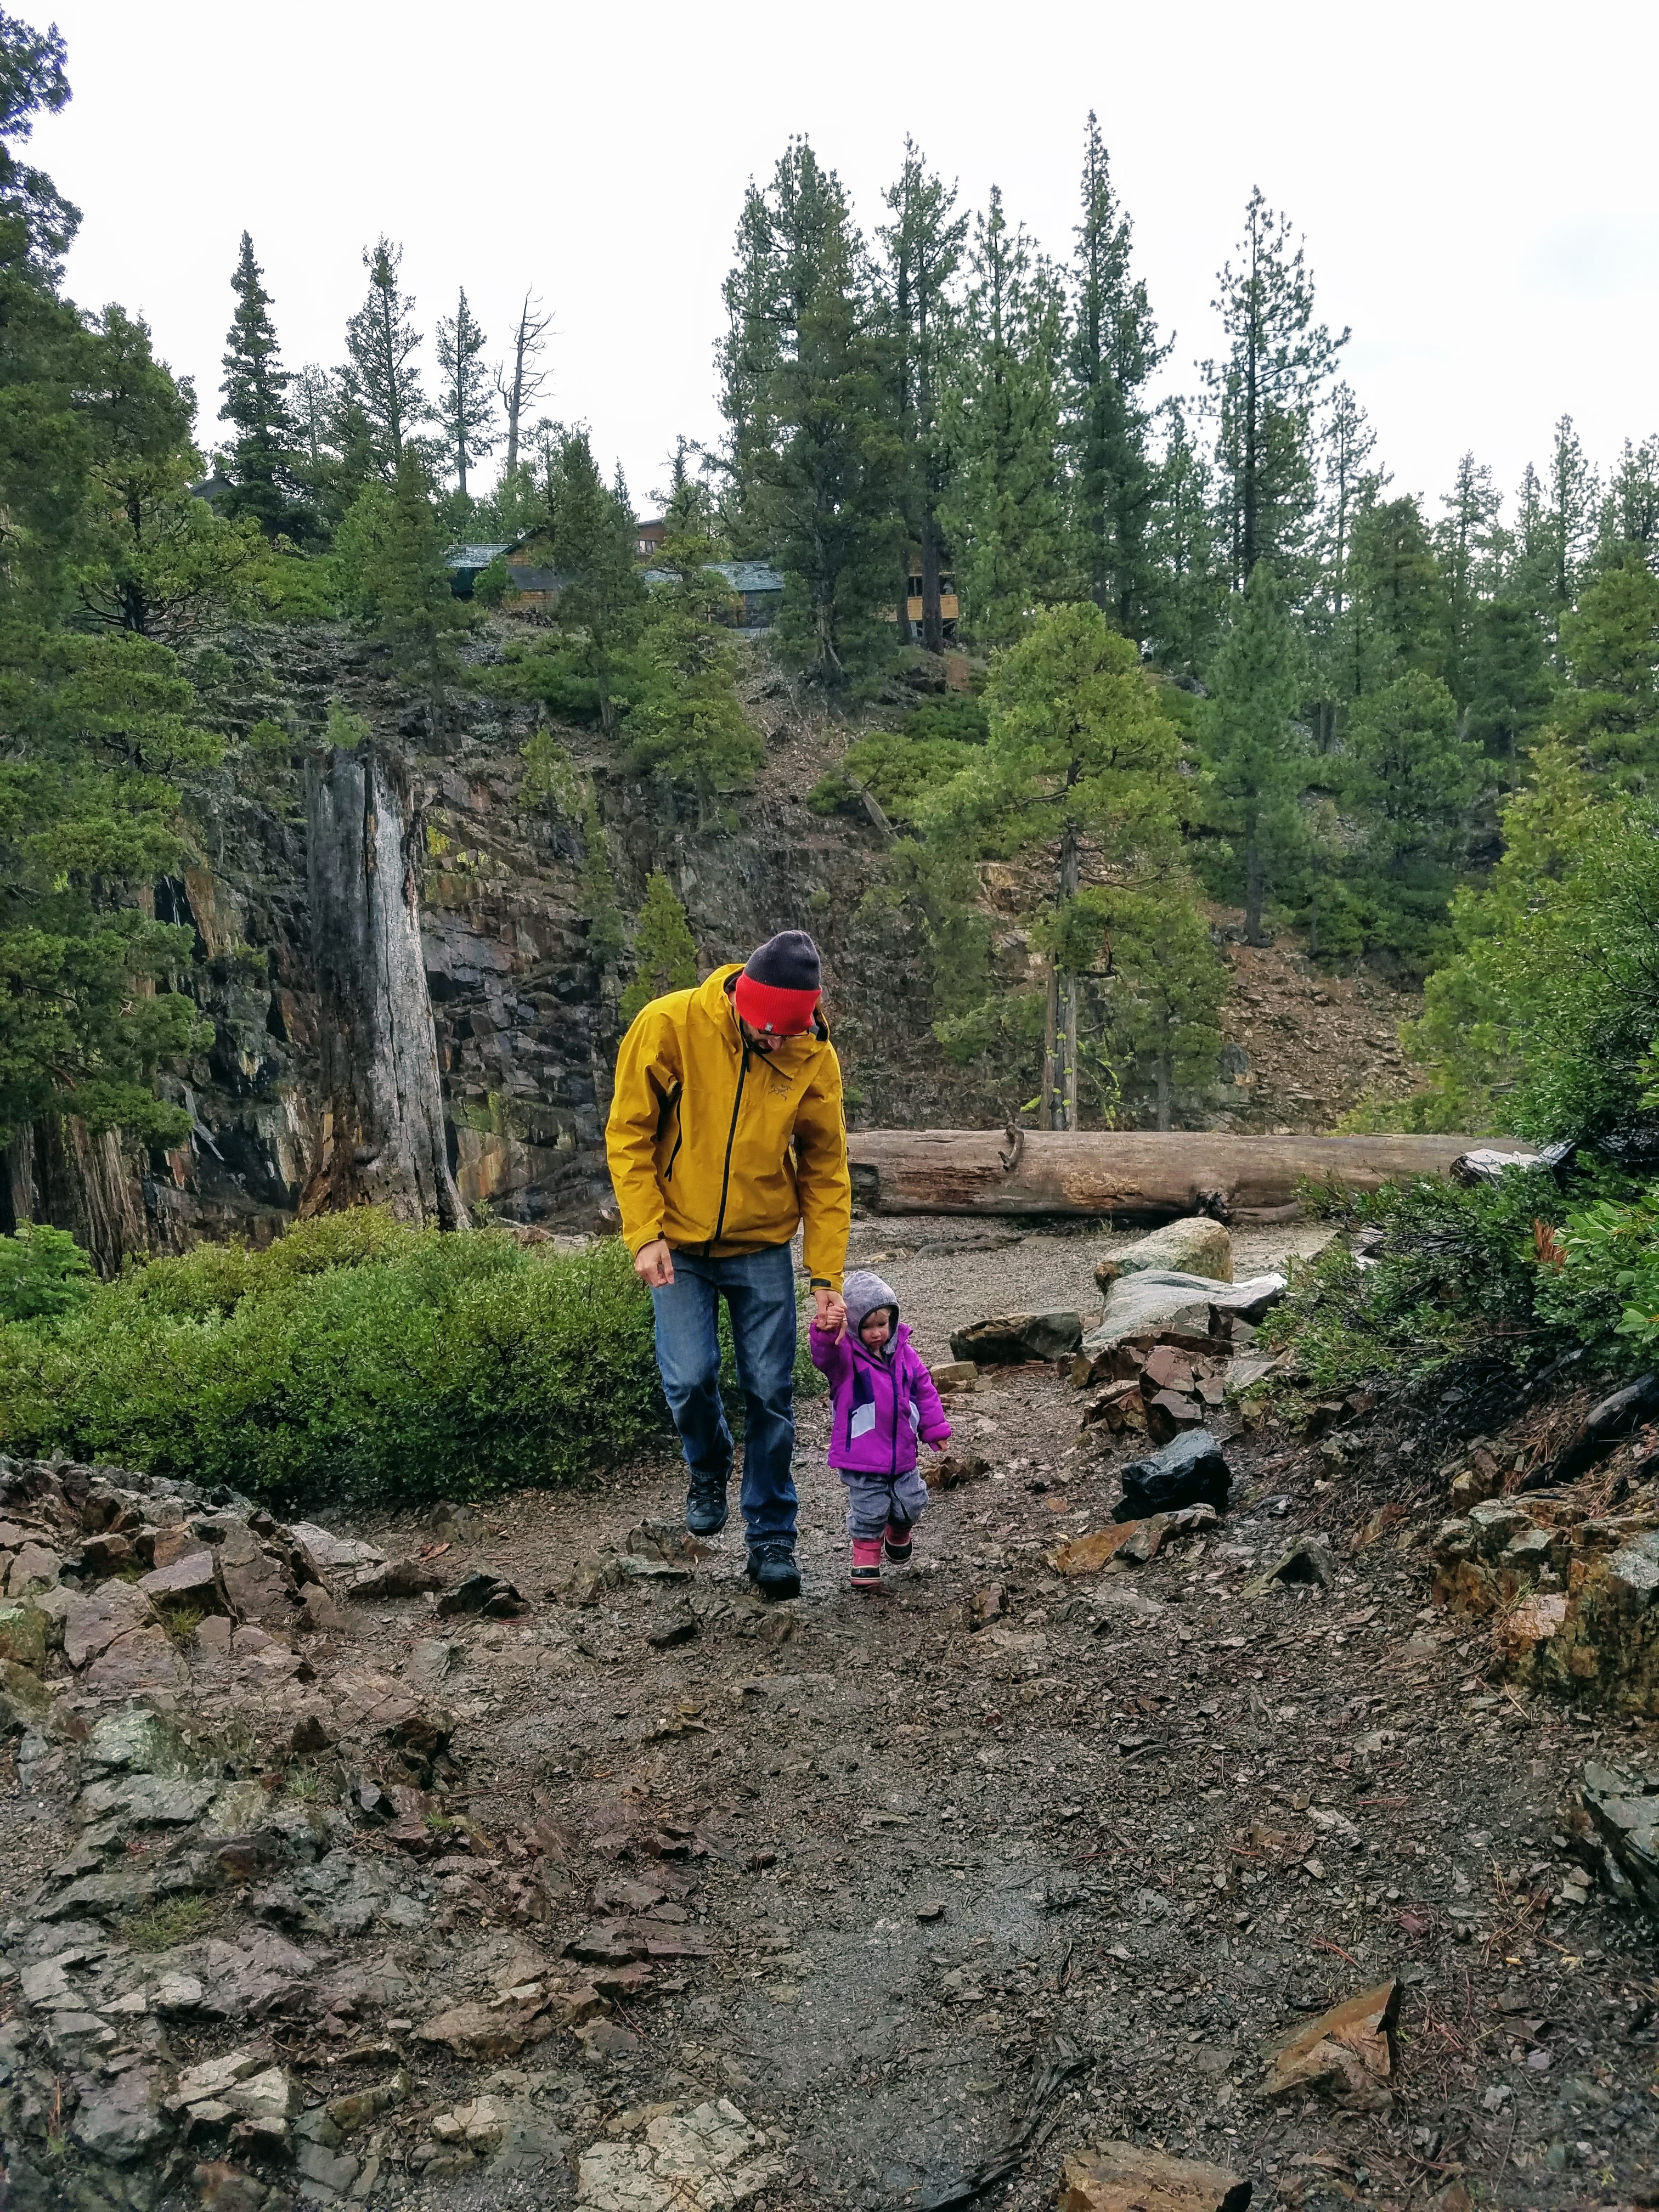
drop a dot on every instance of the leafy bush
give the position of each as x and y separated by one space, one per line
1464 1275
1542 1019
354 1359
43 1273
1617 1247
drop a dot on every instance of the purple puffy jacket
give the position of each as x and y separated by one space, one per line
881 1406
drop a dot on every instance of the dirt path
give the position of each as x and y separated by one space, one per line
1122 1831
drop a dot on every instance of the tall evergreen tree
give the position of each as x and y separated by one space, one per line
1265 394
1410 781
922 250
1610 705
99 727
1078 782
602 603
1350 485
1255 752
1630 512
1112 355
384 377
1508 680
1005 511
1466 542
1396 616
812 459
155 559
391 553
1191 579
1555 528
255 390
466 406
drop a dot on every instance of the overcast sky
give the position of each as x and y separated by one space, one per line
1475 180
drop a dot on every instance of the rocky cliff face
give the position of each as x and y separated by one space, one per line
298 980
310 979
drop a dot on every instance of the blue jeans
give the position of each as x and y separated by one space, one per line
759 1290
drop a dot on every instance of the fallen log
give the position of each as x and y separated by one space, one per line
1145 1174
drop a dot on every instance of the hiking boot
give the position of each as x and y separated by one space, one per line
773 1570
867 1564
897 1544
704 1508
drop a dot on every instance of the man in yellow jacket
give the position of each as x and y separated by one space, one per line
727 1133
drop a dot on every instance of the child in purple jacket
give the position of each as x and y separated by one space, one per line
883 1398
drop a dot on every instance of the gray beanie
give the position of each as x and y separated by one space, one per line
865 1293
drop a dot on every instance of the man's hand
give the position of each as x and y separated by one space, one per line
653 1264
830 1311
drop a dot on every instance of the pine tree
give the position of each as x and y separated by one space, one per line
1112 356
664 952
99 727
1630 512
684 722
812 461
1076 783
255 391
1409 783
155 560
1005 511
519 392
466 406
922 249
1264 396
384 377
1610 706
1163 1001
1555 529
1466 542
1192 580
1255 753
601 602
1347 443
1397 615
1508 688
390 555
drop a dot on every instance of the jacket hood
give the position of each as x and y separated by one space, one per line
866 1293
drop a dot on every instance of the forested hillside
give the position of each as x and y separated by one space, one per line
1095 670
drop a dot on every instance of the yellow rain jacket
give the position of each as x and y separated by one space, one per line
723 1150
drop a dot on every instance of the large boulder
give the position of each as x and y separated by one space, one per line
1013 1338
1193 1246
1158 1298
1191 1470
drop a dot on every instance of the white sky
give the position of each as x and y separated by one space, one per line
1474 177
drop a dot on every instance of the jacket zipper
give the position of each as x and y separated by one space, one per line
893 1468
731 1138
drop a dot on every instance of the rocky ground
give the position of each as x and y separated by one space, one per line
520 1853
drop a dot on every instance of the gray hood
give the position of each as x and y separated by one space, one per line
865 1294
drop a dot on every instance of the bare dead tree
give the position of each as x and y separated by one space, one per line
519 392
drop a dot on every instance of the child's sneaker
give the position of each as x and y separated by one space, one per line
866 1563
899 1543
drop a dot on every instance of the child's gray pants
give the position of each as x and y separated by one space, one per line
873 1501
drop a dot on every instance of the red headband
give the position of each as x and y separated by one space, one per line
766 1006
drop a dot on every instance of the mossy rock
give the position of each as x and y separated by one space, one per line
23 1636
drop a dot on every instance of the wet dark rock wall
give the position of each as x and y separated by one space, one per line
527 1021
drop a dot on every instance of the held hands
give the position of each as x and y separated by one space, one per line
830 1312
653 1264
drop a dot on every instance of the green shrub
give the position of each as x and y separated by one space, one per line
43 1273
1464 1275
354 1359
